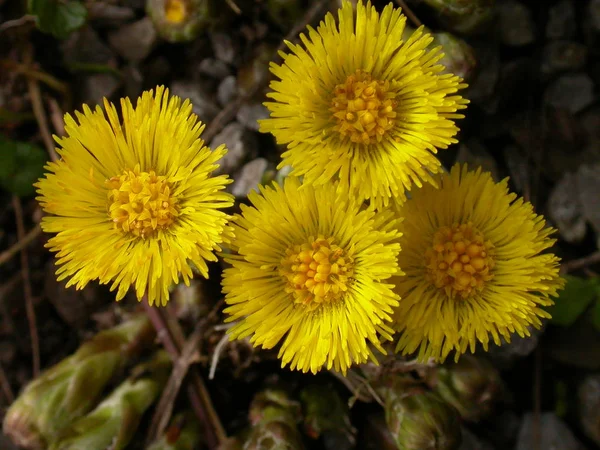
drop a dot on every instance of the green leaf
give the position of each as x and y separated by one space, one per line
573 300
58 17
21 164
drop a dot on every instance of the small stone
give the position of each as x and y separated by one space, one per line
476 155
249 115
565 209
106 13
135 41
561 21
572 92
516 24
202 103
241 145
249 177
214 68
588 395
588 185
84 46
517 167
223 47
553 434
482 87
560 56
98 86
472 442
133 80
505 355
227 90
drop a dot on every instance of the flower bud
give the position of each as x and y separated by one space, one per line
417 418
325 412
472 385
463 16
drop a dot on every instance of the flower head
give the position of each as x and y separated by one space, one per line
132 200
358 104
309 268
472 254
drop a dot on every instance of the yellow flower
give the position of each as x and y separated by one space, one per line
132 200
309 268
358 104
474 263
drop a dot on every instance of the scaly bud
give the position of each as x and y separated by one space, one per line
273 416
464 16
418 418
71 388
325 412
114 421
472 386
183 433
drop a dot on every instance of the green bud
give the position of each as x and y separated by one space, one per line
183 434
459 57
114 421
72 387
417 418
180 20
325 411
273 416
472 386
464 16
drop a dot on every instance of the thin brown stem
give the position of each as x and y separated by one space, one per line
409 13
21 244
29 308
197 393
6 389
576 264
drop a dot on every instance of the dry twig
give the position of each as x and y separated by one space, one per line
164 408
198 395
21 244
409 13
33 332
581 263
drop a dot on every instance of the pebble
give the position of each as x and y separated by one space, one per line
97 86
214 68
572 92
588 395
561 21
134 41
249 177
224 47
560 56
241 145
203 105
565 210
227 90
249 115
588 186
553 434
84 46
515 23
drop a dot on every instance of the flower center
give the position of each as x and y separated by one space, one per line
141 202
317 272
459 261
364 108
175 11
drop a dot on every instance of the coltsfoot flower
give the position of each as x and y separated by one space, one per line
310 268
359 104
474 263
132 200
